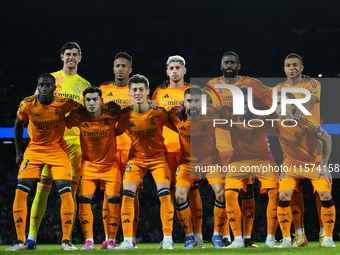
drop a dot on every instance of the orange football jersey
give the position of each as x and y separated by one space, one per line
314 87
197 138
46 122
97 136
300 144
119 95
168 98
147 142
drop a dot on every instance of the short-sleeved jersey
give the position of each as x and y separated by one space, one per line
314 87
119 95
262 97
197 138
46 125
167 98
71 86
147 142
97 136
300 144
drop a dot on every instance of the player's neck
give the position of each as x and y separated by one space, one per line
294 81
45 100
69 71
177 84
229 80
122 83
93 115
141 108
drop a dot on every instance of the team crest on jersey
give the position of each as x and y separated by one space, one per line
297 135
78 89
57 112
36 115
254 132
85 125
106 122
152 122
166 96
204 128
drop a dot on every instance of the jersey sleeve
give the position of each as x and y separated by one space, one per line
312 128
155 95
315 88
262 91
72 120
167 120
21 113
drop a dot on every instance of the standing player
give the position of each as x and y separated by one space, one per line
252 157
198 144
118 92
147 152
230 65
98 145
299 142
46 114
293 67
69 84
168 95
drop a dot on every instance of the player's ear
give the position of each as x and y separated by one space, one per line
62 57
147 91
130 70
239 67
184 71
302 67
80 56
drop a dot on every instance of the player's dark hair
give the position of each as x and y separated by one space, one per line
294 55
70 46
93 90
138 78
231 53
47 75
124 55
193 91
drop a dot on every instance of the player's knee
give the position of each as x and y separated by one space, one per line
284 195
180 197
325 196
182 206
24 186
219 195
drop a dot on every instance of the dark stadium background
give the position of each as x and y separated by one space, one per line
262 32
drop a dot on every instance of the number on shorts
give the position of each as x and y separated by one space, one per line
26 163
128 167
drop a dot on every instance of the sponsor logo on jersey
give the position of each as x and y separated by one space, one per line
132 125
36 115
166 96
85 125
58 86
110 94
182 128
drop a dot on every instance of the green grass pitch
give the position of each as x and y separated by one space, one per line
312 249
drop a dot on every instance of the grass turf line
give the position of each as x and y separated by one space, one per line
312 249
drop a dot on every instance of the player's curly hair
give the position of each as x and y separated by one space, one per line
92 89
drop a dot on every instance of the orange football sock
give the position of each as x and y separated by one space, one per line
328 216
196 209
136 218
284 215
86 216
273 200
184 216
105 214
66 213
128 212
167 211
20 212
248 213
233 211
220 216
298 208
114 217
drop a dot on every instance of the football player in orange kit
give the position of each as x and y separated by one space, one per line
230 66
99 162
299 141
148 152
168 95
46 114
118 92
198 145
293 67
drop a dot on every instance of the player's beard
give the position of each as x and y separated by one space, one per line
194 114
229 74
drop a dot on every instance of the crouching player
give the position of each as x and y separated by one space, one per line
148 152
46 114
198 145
98 145
299 142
